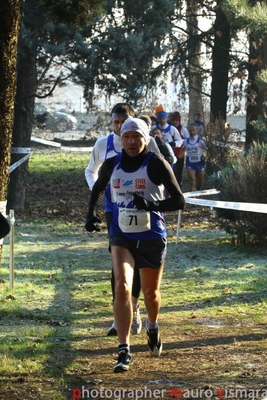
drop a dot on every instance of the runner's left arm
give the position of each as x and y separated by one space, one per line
160 172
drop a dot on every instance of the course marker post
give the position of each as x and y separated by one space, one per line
11 249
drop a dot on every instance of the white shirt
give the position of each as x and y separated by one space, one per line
184 132
98 156
172 135
194 147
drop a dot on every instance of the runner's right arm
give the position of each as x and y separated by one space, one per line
96 159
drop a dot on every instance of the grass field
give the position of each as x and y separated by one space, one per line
53 324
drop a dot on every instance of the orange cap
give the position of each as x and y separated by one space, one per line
159 109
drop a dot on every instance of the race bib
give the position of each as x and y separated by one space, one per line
133 221
195 157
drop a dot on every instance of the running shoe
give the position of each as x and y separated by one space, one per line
124 360
137 322
154 341
112 330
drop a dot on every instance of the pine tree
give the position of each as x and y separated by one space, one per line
42 41
127 49
251 16
115 52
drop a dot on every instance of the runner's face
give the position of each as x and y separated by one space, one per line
157 132
192 130
162 121
117 123
133 143
176 122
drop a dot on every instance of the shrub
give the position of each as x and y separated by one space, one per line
220 149
245 181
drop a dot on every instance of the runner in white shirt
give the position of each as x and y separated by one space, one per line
169 132
179 166
194 147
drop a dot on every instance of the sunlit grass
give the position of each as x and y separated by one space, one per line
52 163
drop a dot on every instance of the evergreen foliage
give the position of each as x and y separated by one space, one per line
251 16
244 180
124 46
75 13
44 47
217 139
114 51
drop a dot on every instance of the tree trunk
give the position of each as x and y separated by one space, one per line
220 66
255 96
194 63
24 107
9 28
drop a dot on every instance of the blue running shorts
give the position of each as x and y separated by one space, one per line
196 166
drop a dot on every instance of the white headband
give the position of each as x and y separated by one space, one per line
136 125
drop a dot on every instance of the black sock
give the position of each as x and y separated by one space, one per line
124 346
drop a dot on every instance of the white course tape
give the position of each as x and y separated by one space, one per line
65 148
17 164
81 149
27 150
20 150
187 197
43 141
230 205
221 144
200 193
